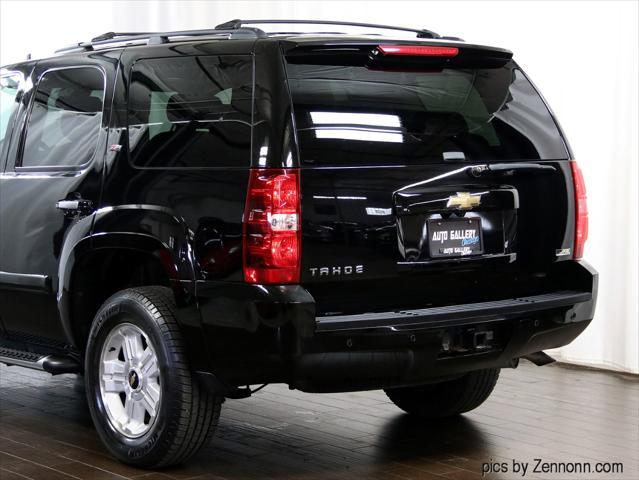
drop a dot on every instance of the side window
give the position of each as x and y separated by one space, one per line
64 122
191 112
8 90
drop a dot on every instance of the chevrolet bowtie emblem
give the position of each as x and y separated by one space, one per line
464 200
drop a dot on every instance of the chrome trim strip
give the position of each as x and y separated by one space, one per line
25 280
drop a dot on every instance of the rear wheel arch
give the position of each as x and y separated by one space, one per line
100 266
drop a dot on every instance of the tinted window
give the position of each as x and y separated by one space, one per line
191 112
445 114
8 91
65 118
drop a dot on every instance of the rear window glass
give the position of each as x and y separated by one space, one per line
191 112
375 116
64 123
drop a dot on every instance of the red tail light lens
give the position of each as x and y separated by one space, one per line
418 50
272 230
581 210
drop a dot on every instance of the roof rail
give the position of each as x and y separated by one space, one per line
153 38
237 24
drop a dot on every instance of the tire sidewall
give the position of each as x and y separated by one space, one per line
125 308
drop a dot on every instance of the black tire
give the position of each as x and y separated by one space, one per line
446 399
187 414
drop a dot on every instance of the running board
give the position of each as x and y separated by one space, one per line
53 364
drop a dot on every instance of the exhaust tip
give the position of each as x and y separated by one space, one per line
539 358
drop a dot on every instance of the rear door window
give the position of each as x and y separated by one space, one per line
191 112
413 117
65 118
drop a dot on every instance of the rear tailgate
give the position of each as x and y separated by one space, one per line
425 180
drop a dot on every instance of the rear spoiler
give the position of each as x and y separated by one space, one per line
388 54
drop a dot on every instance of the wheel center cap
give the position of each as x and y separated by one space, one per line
134 379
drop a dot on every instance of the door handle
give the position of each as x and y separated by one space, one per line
75 207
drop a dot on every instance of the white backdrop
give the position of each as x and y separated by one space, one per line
582 55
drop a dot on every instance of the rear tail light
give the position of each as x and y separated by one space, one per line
581 210
418 50
272 230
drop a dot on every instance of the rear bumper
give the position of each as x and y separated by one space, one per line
258 334
343 360
454 314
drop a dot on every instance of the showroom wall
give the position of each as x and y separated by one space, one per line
582 55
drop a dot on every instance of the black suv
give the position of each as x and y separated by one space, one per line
185 215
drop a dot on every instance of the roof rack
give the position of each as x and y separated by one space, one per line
233 29
238 24
154 38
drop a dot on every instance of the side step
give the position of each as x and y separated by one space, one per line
54 364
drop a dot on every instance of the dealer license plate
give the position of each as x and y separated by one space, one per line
459 237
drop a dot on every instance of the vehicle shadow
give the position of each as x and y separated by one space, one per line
48 418
401 444
405 437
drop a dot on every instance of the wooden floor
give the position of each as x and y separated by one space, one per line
556 413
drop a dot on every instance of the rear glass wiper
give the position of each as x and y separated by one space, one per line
479 170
